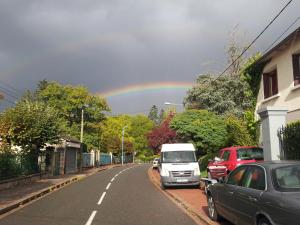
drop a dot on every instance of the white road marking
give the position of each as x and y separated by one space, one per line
89 222
101 198
107 187
112 179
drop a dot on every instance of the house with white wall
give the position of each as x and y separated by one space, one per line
280 82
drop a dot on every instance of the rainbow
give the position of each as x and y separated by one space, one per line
134 88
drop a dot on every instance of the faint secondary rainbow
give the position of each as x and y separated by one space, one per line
146 87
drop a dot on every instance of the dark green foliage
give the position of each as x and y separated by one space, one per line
205 129
290 136
9 165
153 115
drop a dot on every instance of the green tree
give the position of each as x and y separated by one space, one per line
30 125
140 126
111 134
153 114
69 100
205 129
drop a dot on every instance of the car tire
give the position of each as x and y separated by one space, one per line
212 211
264 221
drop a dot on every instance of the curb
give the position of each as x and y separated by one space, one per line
47 190
184 205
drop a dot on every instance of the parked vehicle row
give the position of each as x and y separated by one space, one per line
266 193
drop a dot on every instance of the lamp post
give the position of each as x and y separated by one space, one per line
81 130
123 131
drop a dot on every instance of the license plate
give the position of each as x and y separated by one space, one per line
182 180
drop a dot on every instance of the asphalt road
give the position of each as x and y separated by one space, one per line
119 196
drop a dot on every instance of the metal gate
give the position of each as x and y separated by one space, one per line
71 160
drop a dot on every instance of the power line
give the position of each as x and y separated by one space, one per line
7 93
255 39
283 33
12 89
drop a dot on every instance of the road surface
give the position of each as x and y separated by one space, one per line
119 196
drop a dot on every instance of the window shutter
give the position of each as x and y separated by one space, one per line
296 69
266 85
274 83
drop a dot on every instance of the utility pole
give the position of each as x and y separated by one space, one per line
122 155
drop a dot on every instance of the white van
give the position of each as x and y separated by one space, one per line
179 166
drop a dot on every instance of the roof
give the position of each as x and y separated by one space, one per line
276 163
280 46
177 147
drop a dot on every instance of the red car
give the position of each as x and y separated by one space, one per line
231 157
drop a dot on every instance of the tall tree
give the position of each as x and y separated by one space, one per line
153 114
69 101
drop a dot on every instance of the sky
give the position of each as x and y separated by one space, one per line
112 46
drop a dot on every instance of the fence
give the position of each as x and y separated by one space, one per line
289 137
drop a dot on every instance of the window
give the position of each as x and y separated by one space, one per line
270 84
255 178
236 176
179 157
250 153
296 69
287 178
226 155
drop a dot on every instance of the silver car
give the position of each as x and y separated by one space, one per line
262 194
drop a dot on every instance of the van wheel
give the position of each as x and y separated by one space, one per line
163 187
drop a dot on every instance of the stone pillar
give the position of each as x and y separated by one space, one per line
272 119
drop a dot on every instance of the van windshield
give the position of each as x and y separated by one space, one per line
179 157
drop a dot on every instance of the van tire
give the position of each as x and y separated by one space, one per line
163 187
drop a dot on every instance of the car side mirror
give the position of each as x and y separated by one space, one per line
217 159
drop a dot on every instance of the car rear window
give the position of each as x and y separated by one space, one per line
250 153
287 178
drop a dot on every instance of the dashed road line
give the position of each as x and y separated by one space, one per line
90 220
101 198
107 187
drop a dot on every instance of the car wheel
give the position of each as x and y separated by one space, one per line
264 221
212 212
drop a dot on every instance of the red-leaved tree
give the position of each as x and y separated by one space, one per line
161 135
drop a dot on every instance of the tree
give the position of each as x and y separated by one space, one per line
162 116
140 126
30 125
226 95
153 114
111 134
69 100
161 135
205 129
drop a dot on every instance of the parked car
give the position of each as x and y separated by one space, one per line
266 193
155 163
179 166
231 157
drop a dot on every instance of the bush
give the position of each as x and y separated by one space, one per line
9 165
238 133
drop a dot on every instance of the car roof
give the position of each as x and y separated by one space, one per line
275 163
238 147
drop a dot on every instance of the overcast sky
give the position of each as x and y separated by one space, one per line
108 44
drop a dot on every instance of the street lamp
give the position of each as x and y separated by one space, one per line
123 131
82 113
175 104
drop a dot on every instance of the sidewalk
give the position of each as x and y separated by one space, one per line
16 196
193 200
